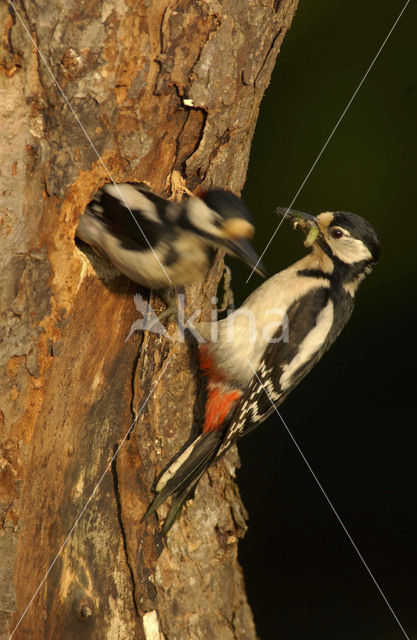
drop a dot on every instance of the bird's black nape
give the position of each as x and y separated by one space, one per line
226 203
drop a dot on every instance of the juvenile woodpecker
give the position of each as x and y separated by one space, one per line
158 243
280 332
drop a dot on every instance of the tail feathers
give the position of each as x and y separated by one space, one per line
183 474
177 504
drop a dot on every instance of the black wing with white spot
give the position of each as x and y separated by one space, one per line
284 364
135 215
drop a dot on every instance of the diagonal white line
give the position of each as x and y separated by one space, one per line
330 503
45 62
330 136
80 515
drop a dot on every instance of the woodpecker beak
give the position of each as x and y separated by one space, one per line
305 221
242 249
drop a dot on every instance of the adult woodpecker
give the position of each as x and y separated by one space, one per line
313 299
158 243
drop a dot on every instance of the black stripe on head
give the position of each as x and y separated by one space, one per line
314 273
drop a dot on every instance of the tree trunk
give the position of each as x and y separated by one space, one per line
157 87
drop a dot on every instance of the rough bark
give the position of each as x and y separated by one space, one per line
159 87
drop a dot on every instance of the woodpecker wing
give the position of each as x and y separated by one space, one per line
313 326
136 216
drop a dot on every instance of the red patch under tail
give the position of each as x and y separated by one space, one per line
220 398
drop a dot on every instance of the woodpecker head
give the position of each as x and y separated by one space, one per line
348 241
223 220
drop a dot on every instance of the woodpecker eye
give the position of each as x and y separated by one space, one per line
336 233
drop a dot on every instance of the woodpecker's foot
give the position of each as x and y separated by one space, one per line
228 299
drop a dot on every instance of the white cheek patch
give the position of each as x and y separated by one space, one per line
350 250
201 216
133 199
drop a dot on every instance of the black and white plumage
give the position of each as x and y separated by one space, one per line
158 243
311 301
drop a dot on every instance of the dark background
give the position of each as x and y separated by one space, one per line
353 417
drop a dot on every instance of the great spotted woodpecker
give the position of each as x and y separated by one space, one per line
314 300
158 243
